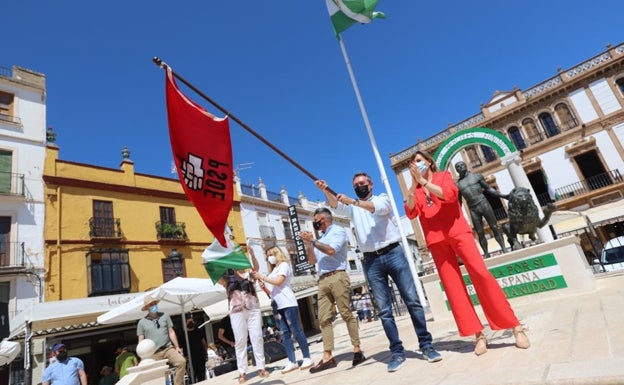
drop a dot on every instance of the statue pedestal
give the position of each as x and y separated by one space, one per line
548 270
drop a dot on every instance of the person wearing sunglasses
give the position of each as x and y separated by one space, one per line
434 198
158 327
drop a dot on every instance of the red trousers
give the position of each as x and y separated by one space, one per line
495 305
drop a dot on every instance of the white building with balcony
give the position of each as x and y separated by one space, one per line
22 154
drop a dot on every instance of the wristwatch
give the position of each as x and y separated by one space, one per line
313 242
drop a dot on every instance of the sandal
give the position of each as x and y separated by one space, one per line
522 341
263 373
242 379
480 346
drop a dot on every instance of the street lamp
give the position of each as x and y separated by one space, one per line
176 260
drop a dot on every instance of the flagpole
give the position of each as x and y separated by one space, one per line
162 64
384 178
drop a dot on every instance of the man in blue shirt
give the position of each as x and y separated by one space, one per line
330 253
66 370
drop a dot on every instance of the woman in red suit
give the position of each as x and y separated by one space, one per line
433 198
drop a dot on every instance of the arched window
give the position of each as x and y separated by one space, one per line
565 116
547 121
473 157
533 134
488 154
620 85
516 137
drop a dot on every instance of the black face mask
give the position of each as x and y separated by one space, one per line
62 356
316 225
362 191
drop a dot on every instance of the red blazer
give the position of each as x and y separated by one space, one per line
444 218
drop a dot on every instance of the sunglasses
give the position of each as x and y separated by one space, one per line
156 323
429 201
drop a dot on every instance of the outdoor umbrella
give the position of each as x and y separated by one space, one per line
177 296
9 350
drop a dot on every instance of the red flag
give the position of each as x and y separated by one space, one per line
202 151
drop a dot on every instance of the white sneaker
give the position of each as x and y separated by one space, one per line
289 367
306 363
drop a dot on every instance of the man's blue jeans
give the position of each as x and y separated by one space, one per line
289 324
394 265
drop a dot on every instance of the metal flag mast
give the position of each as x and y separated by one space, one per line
162 64
384 178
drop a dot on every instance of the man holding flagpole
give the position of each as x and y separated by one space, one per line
384 258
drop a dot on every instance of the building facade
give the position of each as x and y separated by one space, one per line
569 133
22 152
110 235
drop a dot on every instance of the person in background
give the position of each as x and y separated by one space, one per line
109 377
198 349
330 253
278 282
124 360
433 198
65 370
380 240
226 336
158 327
246 318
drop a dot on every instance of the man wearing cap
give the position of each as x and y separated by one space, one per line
158 327
66 370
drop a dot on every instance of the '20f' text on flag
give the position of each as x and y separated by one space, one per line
202 151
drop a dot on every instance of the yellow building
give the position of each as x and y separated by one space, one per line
110 231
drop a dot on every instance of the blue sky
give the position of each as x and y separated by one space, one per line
278 67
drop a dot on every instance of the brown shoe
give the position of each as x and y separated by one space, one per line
358 358
323 365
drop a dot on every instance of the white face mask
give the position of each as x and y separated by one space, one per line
272 259
422 167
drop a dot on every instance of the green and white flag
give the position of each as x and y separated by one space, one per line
345 13
218 259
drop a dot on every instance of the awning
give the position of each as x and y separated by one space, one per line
570 224
606 214
55 316
9 350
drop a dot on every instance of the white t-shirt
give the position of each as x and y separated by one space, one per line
283 295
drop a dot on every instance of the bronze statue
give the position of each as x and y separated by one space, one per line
524 217
472 188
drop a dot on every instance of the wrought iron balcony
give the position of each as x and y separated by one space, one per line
586 185
171 231
11 183
105 228
500 214
267 232
12 254
544 199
